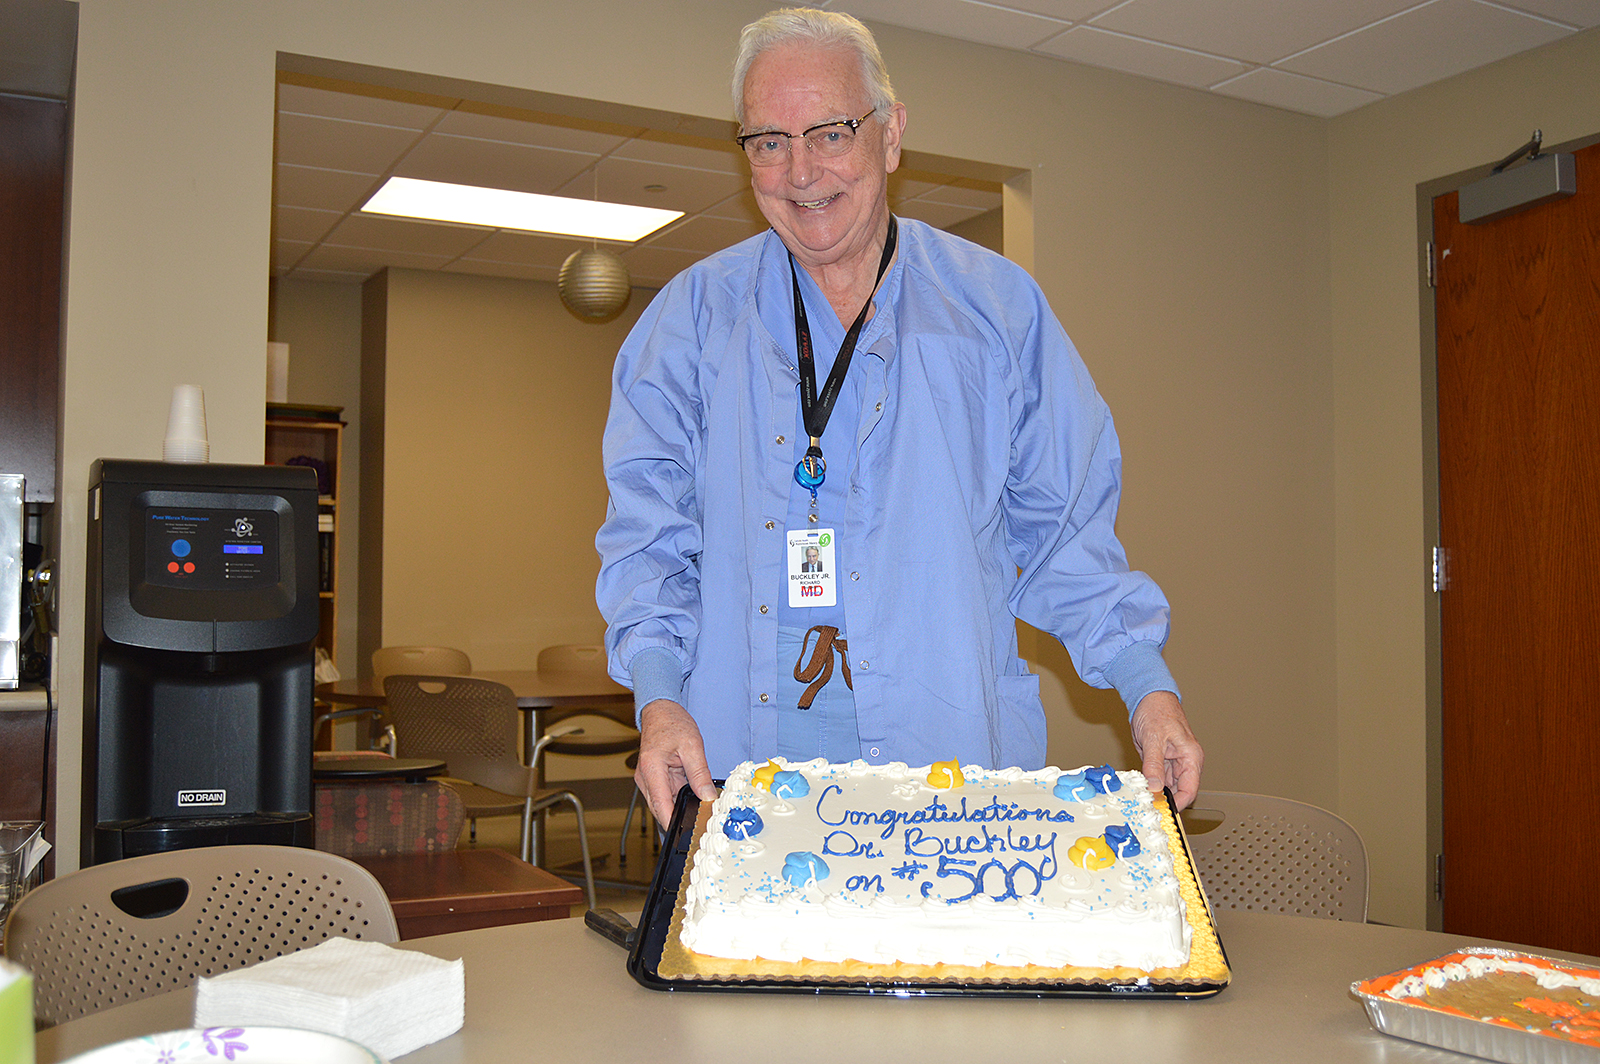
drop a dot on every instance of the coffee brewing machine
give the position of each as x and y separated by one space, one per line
201 621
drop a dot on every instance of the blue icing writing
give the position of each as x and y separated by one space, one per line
1074 787
789 784
802 867
742 824
1104 779
844 844
993 879
920 844
1121 840
909 870
935 812
870 884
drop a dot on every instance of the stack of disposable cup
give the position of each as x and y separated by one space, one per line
186 427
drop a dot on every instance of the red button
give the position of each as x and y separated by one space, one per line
172 567
188 567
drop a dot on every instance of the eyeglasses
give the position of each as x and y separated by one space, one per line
827 141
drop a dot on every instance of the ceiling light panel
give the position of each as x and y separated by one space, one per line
500 209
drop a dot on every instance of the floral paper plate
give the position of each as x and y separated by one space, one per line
232 1045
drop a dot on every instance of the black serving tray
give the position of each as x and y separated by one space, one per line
655 923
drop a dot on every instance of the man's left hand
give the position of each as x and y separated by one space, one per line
1172 755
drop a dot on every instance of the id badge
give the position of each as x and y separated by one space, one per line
811 568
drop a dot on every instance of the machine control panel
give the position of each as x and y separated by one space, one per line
208 549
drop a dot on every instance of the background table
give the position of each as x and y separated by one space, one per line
329 766
437 893
557 991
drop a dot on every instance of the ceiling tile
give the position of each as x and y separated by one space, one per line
1065 10
704 234
285 253
983 23
412 236
1085 44
355 107
728 160
493 164
361 147
1259 31
1293 92
1423 45
1581 13
359 260
657 265
322 189
624 181
490 268
740 207
463 123
977 198
300 223
527 249
938 215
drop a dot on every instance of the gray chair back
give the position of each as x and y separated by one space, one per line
124 930
1276 855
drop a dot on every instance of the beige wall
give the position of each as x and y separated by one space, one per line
1238 278
494 400
1377 158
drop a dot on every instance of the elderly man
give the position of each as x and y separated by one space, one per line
902 406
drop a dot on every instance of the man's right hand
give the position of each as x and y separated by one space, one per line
671 753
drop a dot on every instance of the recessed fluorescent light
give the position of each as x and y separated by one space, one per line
440 201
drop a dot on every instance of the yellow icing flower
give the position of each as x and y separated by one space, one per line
945 775
1091 852
763 775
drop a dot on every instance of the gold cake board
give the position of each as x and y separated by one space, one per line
1205 973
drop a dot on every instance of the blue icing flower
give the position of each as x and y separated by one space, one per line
1121 840
1104 779
802 867
1074 787
789 784
742 824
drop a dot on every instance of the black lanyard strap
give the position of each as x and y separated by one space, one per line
815 409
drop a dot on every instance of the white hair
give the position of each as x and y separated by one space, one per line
811 26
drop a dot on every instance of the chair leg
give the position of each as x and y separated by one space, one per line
529 841
627 821
583 841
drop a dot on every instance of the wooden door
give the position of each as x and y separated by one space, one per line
1518 332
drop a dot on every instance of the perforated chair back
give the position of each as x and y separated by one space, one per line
437 661
386 817
125 930
1277 855
472 725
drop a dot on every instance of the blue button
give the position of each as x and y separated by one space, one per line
181 548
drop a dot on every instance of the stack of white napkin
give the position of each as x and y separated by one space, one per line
390 1000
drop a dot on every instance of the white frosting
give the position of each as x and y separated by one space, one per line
1008 895
1476 967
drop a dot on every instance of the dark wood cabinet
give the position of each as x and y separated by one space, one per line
33 154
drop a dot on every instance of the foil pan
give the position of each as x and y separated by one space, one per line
1418 1023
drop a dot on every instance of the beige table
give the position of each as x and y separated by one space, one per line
559 992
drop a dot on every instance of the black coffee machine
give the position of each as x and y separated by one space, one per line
201 618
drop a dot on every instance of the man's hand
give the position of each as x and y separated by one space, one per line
1172 755
671 753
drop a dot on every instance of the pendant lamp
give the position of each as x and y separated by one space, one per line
594 283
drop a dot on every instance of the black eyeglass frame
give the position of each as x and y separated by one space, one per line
854 124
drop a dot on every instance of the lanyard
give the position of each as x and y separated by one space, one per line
815 409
